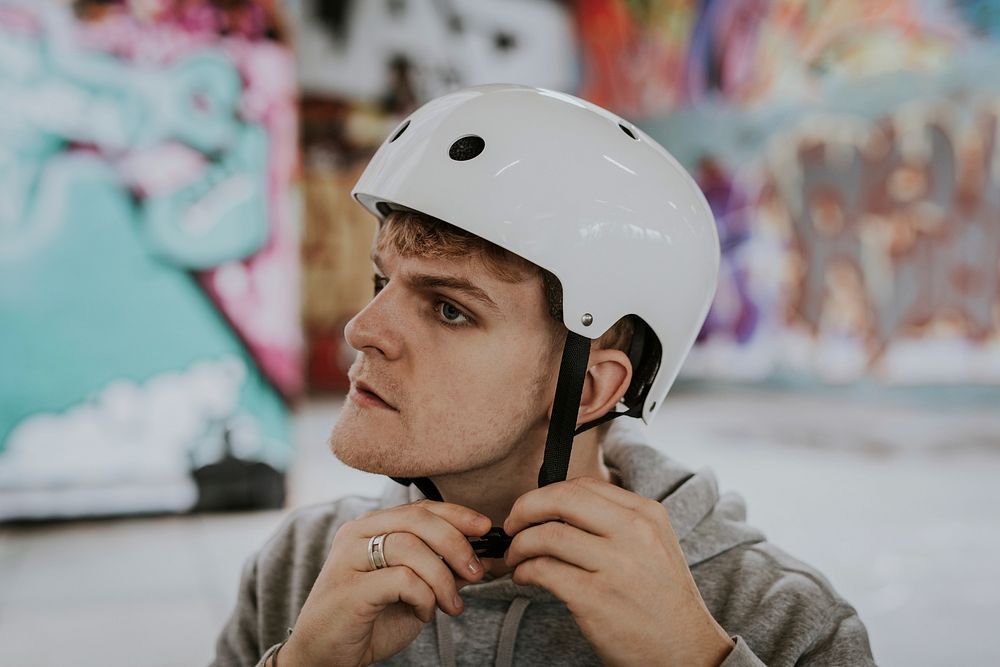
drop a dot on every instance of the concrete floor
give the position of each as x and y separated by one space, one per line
897 503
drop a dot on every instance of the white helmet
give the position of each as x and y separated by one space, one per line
581 193
572 188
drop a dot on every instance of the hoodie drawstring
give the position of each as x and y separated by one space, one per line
446 647
505 645
508 631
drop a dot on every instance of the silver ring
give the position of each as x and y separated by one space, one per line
376 555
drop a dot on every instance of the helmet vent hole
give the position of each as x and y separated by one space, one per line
628 131
400 131
466 148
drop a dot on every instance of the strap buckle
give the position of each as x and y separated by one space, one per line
491 545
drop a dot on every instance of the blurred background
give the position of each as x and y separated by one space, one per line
179 254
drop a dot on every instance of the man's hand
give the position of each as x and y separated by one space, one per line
613 558
356 616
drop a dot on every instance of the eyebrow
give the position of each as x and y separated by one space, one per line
429 281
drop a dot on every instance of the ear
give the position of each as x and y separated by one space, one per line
609 373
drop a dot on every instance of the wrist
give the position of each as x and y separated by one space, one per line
290 656
719 649
272 660
712 647
706 644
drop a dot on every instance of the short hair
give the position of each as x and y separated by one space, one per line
415 234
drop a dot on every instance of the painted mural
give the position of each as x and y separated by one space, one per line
149 332
854 156
846 148
362 67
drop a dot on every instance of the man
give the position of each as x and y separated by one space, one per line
541 267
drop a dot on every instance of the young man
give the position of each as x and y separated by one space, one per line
541 267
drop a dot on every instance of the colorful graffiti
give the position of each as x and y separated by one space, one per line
362 65
895 246
847 153
817 283
148 260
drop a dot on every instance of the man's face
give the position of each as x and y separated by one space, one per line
463 365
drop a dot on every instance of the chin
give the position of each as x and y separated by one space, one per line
366 460
374 444
376 454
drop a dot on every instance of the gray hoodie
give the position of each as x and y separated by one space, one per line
778 610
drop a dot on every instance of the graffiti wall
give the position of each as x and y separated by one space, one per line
846 148
149 331
362 67
855 206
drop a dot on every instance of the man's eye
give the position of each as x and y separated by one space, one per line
380 283
450 314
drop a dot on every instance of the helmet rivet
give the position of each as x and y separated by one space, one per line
587 319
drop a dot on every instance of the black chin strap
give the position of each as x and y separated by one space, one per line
425 485
558 442
565 408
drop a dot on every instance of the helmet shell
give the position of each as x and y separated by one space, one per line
572 188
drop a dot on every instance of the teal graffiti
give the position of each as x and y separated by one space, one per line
95 284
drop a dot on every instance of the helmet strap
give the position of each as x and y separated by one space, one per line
565 408
425 485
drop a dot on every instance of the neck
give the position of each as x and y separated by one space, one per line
493 490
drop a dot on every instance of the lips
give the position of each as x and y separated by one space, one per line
368 391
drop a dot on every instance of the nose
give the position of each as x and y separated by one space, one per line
375 329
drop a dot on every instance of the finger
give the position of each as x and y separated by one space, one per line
559 540
423 520
401 584
467 521
563 580
408 550
648 508
569 501
615 494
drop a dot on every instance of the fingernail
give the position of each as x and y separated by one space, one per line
475 565
458 601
